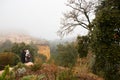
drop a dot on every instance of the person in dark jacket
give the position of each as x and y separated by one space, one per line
23 56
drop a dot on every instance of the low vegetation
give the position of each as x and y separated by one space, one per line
8 58
96 53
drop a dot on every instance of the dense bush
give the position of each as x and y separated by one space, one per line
67 54
8 58
6 46
17 48
37 64
82 46
66 75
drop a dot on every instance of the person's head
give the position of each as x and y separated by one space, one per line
27 51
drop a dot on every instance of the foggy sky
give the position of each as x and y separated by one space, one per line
39 18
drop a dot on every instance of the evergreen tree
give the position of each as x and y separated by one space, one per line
67 54
106 39
82 45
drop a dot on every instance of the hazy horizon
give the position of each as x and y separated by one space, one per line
37 18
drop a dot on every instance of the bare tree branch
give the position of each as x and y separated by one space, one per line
78 16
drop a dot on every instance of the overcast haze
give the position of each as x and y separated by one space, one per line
39 18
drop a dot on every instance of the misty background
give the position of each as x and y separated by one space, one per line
38 18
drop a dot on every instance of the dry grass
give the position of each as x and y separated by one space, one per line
82 69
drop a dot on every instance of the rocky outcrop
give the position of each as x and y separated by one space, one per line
44 49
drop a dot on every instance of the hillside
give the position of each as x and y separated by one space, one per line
20 37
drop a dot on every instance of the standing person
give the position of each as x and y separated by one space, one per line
23 56
27 56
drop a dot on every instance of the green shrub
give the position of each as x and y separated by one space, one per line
67 54
37 64
4 74
33 77
8 58
66 75
18 47
29 77
19 65
12 75
7 74
41 77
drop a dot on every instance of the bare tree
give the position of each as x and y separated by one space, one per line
81 14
